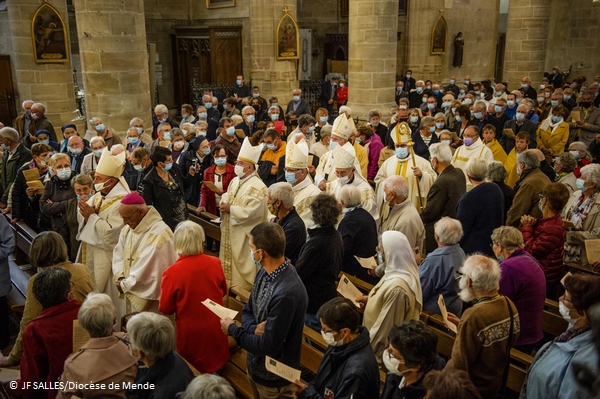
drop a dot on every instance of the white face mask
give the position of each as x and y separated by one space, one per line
239 170
565 312
343 180
328 337
100 186
391 363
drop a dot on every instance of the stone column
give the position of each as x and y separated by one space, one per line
50 83
372 48
114 61
275 78
421 17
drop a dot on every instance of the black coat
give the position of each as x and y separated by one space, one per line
326 91
131 176
211 132
409 84
295 235
413 391
8 172
59 192
529 93
303 108
170 375
24 208
442 199
420 148
319 264
415 99
193 183
359 233
248 131
347 371
507 143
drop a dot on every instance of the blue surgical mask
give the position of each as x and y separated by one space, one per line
255 95
436 92
580 184
133 140
274 117
221 161
446 104
419 90
311 129
250 118
79 197
519 116
202 115
510 103
206 151
467 101
256 262
274 105
575 154
290 177
556 119
168 166
167 136
208 105
432 129
424 99
64 173
98 153
478 115
540 99
447 142
451 81
140 130
554 103
414 119
453 110
458 118
439 125
230 131
524 85
332 145
238 82
225 107
296 98
323 119
498 109
566 97
100 128
184 116
47 141
139 168
498 94
271 147
201 133
401 152
431 106
500 258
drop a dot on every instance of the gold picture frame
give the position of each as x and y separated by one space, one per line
220 3
49 35
287 37
439 35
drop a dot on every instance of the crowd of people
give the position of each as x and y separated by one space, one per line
469 192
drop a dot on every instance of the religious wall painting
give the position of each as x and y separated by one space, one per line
49 35
220 3
287 37
439 35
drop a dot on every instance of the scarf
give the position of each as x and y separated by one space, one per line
400 261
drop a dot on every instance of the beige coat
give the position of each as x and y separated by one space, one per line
591 227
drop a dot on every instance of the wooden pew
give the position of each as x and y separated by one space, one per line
211 229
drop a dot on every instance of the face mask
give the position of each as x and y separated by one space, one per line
79 197
201 134
178 145
271 147
208 105
428 87
585 104
167 135
431 106
272 209
414 119
500 258
64 174
580 184
132 140
256 107
206 151
98 153
323 119
510 103
477 93
446 104
478 115
332 145
250 118
379 254
451 81
328 337
498 94
274 105
374 124
256 262
436 92
220 161
225 108
432 129
447 142
311 129
274 117
401 152
458 118
230 131
540 99
524 85
419 90
47 141
462 92
565 312
34 117
75 151
424 99
391 363
468 101
100 186
184 116
554 103
468 141
296 98
498 109
238 82
566 97
439 125
407 76
202 115
520 116
139 168
290 177
453 110
341 84
556 119
100 128
168 167
540 206
467 82
343 180
239 170
403 107
255 95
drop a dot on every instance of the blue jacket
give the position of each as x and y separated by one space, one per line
437 273
346 371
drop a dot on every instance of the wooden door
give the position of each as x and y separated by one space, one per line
193 65
226 54
8 109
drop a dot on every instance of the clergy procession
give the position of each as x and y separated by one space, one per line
213 257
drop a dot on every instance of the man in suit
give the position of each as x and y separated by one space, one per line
409 81
22 123
517 125
298 105
15 155
444 193
526 89
329 94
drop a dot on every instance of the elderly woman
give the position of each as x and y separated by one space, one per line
410 356
544 238
152 338
583 212
440 123
109 138
497 174
565 165
348 367
439 269
397 297
552 137
359 233
47 249
425 137
104 359
57 192
189 281
83 186
372 143
90 161
552 374
178 145
193 163
580 151
320 260
523 282
220 174
209 386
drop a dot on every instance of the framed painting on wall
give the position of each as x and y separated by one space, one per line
287 37
49 35
220 3
439 36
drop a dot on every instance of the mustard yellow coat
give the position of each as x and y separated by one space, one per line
553 139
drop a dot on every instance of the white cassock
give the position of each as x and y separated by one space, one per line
305 193
326 168
248 200
476 150
403 167
98 237
140 257
367 195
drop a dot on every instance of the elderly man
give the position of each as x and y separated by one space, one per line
517 125
500 113
589 125
415 96
212 112
272 114
482 117
144 251
569 100
416 170
15 155
23 122
552 103
526 89
138 123
69 130
346 173
400 214
40 122
473 147
77 151
487 329
161 113
134 139
100 225
444 193
247 127
164 137
447 104
306 126
528 189
109 137
281 205
298 105
243 206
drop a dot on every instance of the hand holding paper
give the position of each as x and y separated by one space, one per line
349 290
451 326
282 370
219 310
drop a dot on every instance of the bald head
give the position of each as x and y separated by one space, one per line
540 155
75 142
117 149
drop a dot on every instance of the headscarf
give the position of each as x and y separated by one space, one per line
400 261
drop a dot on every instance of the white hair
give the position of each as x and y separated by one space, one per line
282 192
448 230
397 184
477 169
246 108
274 108
94 120
188 238
496 171
96 139
345 110
237 119
40 106
350 196
25 102
591 173
484 273
134 120
97 315
9 133
529 159
151 333
480 103
161 109
209 386
441 152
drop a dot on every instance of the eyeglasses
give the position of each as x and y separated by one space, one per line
459 275
541 196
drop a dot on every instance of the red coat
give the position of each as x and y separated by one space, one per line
47 342
545 241
342 95
185 284
207 197
581 164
